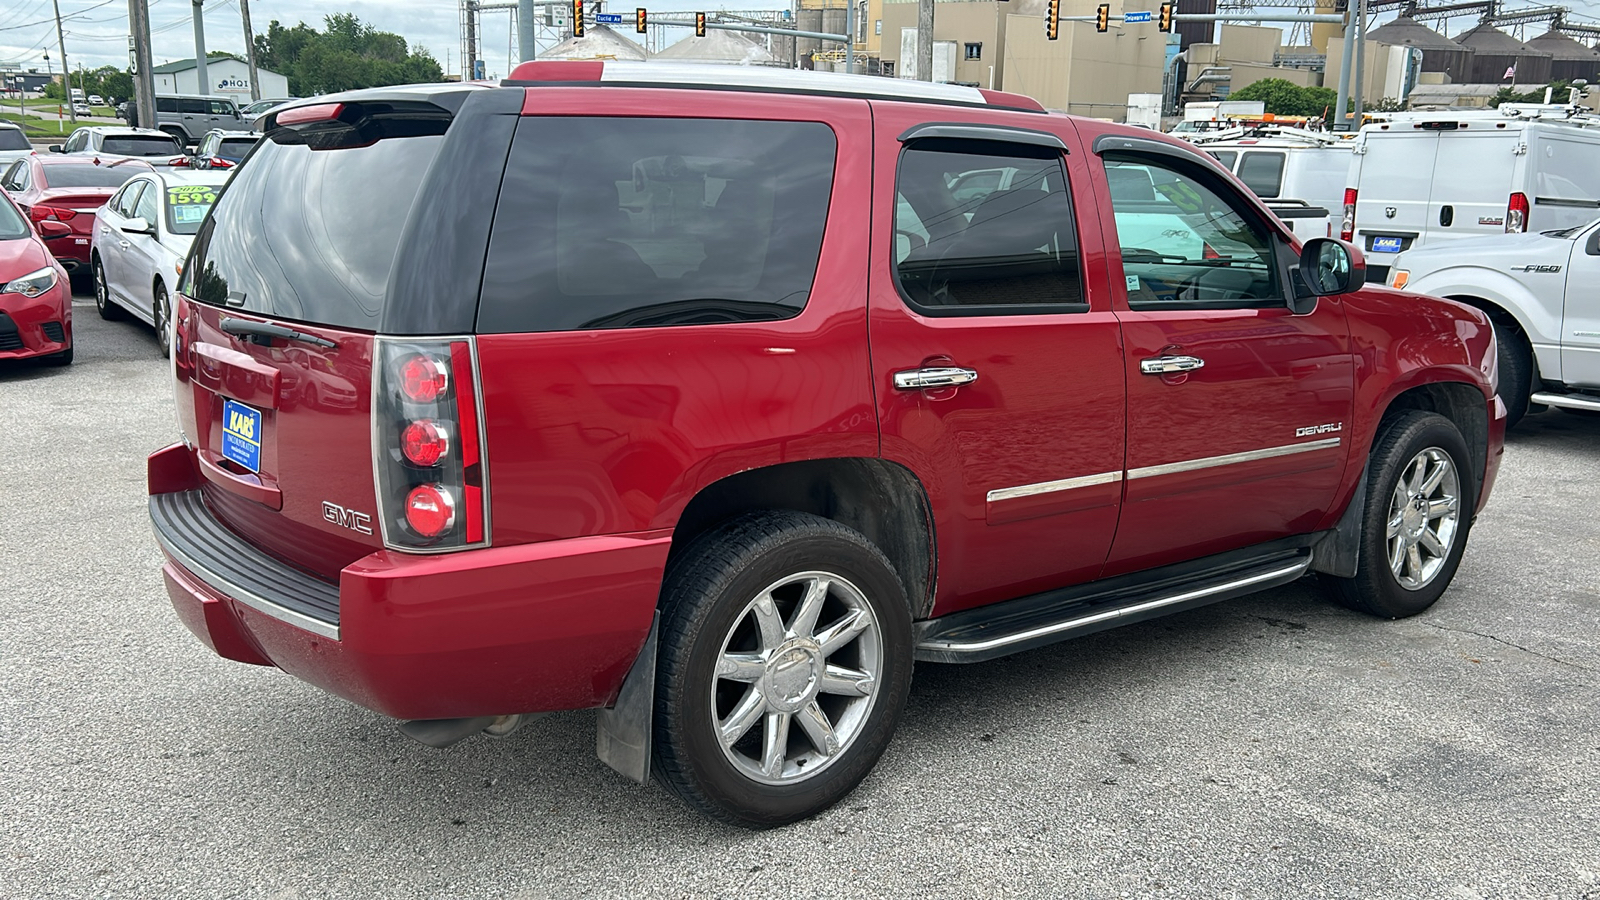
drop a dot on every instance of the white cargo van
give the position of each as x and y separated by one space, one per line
1301 174
1425 177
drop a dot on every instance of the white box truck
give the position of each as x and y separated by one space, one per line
1428 177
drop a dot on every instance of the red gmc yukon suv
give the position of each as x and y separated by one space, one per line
715 399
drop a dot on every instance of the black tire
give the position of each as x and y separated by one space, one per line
711 603
1377 588
103 304
1516 367
160 310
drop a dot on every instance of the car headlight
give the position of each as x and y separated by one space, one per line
32 284
1399 278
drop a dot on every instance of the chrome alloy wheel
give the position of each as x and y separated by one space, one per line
1423 514
804 656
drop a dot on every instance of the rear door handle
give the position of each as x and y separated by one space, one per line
122 244
933 377
1162 365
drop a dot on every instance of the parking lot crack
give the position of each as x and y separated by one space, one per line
1514 646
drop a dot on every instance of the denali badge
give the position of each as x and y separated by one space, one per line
1318 429
347 518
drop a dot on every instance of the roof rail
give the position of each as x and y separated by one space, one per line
758 78
1268 130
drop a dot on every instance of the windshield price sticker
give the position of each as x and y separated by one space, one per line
192 193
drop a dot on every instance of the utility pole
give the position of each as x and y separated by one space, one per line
925 40
144 80
850 31
201 81
527 24
250 49
66 70
1346 57
1361 58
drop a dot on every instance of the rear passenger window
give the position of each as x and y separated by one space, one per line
194 107
166 104
1226 157
632 222
985 228
1262 173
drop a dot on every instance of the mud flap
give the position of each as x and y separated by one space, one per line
1339 553
622 732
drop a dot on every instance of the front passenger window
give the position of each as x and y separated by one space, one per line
1184 242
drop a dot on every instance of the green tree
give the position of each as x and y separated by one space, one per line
349 54
1285 98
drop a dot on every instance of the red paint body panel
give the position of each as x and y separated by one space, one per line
529 628
24 256
72 249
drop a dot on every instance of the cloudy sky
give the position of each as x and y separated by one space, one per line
97 30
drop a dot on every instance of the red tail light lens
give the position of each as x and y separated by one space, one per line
429 510
423 379
218 162
1517 213
1347 224
51 213
424 442
179 162
429 459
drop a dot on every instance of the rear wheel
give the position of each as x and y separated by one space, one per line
784 666
1516 367
102 295
161 311
1419 504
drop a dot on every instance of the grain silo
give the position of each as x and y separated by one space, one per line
1439 53
1569 60
1499 58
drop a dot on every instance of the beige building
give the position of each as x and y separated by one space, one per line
1083 72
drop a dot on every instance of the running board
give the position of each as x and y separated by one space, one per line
1566 401
1000 629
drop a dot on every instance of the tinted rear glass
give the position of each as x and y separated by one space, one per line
310 234
142 145
87 175
236 148
12 225
621 222
1262 173
13 139
187 205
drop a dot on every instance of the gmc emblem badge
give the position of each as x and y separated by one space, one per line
358 522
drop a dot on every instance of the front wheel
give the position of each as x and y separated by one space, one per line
161 311
1420 498
784 665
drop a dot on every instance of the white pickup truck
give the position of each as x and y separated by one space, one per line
1539 289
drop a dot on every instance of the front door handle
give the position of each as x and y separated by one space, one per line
1164 365
122 244
933 377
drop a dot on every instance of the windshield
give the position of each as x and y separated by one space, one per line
12 225
13 139
187 205
1568 233
88 175
142 145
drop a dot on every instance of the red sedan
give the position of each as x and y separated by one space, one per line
35 300
67 189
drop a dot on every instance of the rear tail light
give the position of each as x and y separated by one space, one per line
179 162
51 213
1347 224
218 162
1517 213
427 443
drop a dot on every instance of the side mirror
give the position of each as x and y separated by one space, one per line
50 229
138 225
1330 267
54 148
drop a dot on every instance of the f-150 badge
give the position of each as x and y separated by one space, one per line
1551 269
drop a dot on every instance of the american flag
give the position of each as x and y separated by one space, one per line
1511 71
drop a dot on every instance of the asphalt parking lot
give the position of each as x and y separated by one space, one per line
1275 746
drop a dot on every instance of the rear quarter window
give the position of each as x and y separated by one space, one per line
632 222
1262 173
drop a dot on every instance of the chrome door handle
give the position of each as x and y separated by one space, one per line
122 244
933 377
1162 365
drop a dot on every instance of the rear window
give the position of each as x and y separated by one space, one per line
623 222
13 139
236 147
141 145
310 234
1262 173
12 225
1226 157
87 175
187 205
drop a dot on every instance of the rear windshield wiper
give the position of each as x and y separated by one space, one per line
246 328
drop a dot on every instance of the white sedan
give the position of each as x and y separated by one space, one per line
141 238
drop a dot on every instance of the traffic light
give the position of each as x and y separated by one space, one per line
1102 18
640 19
1052 20
577 18
1164 20
699 24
